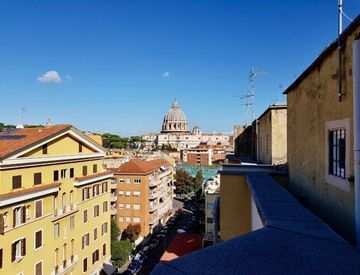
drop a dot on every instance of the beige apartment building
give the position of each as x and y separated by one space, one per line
321 135
143 197
271 135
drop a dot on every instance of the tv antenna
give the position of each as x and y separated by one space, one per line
249 97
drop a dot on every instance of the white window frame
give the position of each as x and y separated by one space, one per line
42 267
341 183
42 209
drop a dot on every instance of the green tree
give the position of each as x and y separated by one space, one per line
198 181
115 232
120 251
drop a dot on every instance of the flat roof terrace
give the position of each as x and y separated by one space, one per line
292 241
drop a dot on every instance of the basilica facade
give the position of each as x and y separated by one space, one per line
175 133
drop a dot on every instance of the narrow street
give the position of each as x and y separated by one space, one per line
184 219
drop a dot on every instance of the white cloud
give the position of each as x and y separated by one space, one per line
50 77
166 74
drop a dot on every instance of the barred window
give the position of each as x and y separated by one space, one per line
337 152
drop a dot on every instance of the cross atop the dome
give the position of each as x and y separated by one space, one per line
175 104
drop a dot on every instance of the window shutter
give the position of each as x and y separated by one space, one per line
23 214
13 252
2 224
23 247
1 258
14 217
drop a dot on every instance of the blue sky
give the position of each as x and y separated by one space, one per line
121 63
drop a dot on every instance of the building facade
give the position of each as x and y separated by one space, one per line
54 194
175 133
143 196
320 135
271 135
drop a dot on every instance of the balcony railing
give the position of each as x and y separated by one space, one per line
66 266
65 211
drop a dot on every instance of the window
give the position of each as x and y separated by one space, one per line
96 211
128 206
45 149
136 193
80 147
121 219
136 220
85 216
209 220
72 222
128 194
105 206
128 219
16 182
18 250
86 193
56 230
38 209
38 239
104 249
137 181
85 265
71 173
104 187
136 206
1 258
104 228
121 193
95 234
56 175
84 170
337 152
95 168
85 240
37 178
19 216
121 205
63 173
337 149
38 268
95 256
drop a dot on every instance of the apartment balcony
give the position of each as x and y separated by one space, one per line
153 195
66 266
65 211
154 181
154 218
113 184
113 198
153 206
113 211
278 232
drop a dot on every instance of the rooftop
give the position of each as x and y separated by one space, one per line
14 140
138 166
292 241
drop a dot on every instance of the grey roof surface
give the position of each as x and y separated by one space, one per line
293 241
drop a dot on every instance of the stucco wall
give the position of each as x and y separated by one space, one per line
235 207
311 104
279 136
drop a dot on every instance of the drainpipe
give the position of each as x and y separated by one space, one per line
339 72
356 118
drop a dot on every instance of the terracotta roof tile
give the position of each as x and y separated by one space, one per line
138 166
14 140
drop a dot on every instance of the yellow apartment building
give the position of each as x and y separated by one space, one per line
143 195
54 202
272 135
321 135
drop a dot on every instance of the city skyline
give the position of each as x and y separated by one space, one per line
116 67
